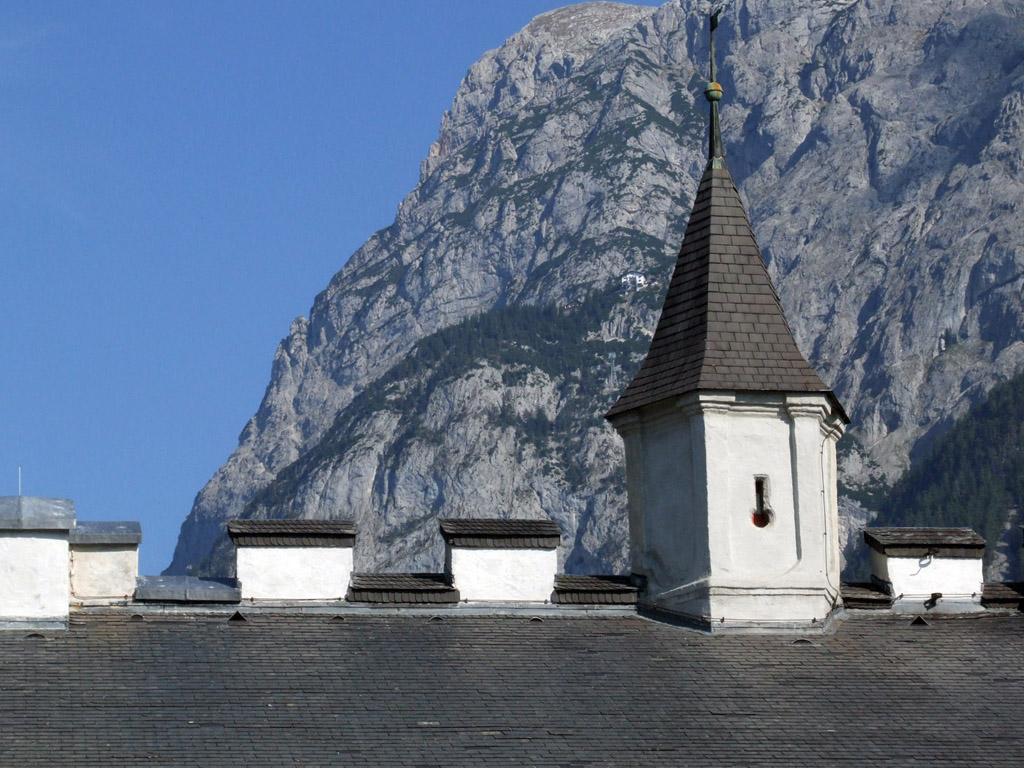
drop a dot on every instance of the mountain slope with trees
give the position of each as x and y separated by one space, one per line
971 477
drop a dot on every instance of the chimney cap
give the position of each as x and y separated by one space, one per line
35 513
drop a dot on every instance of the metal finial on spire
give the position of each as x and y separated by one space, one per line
713 92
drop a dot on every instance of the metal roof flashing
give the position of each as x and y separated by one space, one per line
187 589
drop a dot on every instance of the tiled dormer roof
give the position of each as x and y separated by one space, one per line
919 542
292 533
722 326
501 533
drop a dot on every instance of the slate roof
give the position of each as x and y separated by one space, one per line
594 590
1007 594
501 533
292 533
722 326
866 595
303 689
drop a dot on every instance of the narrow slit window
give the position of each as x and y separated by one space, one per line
762 512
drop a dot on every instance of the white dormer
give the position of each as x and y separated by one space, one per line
928 570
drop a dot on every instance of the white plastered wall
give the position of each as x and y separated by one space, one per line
294 573
505 575
34 580
105 572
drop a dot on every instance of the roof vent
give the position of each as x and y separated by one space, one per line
237 616
919 622
928 570
136 617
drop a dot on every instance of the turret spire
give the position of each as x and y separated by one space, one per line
722 327
713 93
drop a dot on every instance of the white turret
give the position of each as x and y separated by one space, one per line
730 438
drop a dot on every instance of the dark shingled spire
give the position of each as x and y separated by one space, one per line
722 326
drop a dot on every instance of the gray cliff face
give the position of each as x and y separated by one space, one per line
460 362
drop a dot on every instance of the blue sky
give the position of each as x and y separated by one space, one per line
177 182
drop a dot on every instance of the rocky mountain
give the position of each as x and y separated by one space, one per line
460 363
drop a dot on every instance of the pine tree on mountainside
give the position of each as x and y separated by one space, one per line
973 475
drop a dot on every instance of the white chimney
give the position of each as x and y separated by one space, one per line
928 570
34 583
293 559
502 560
104 561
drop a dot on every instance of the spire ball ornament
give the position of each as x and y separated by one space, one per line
713 91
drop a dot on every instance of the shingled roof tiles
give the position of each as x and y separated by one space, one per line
402 588
501 533
953 537
918 542
1009 594
722 326
866 595
594 590
303 689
